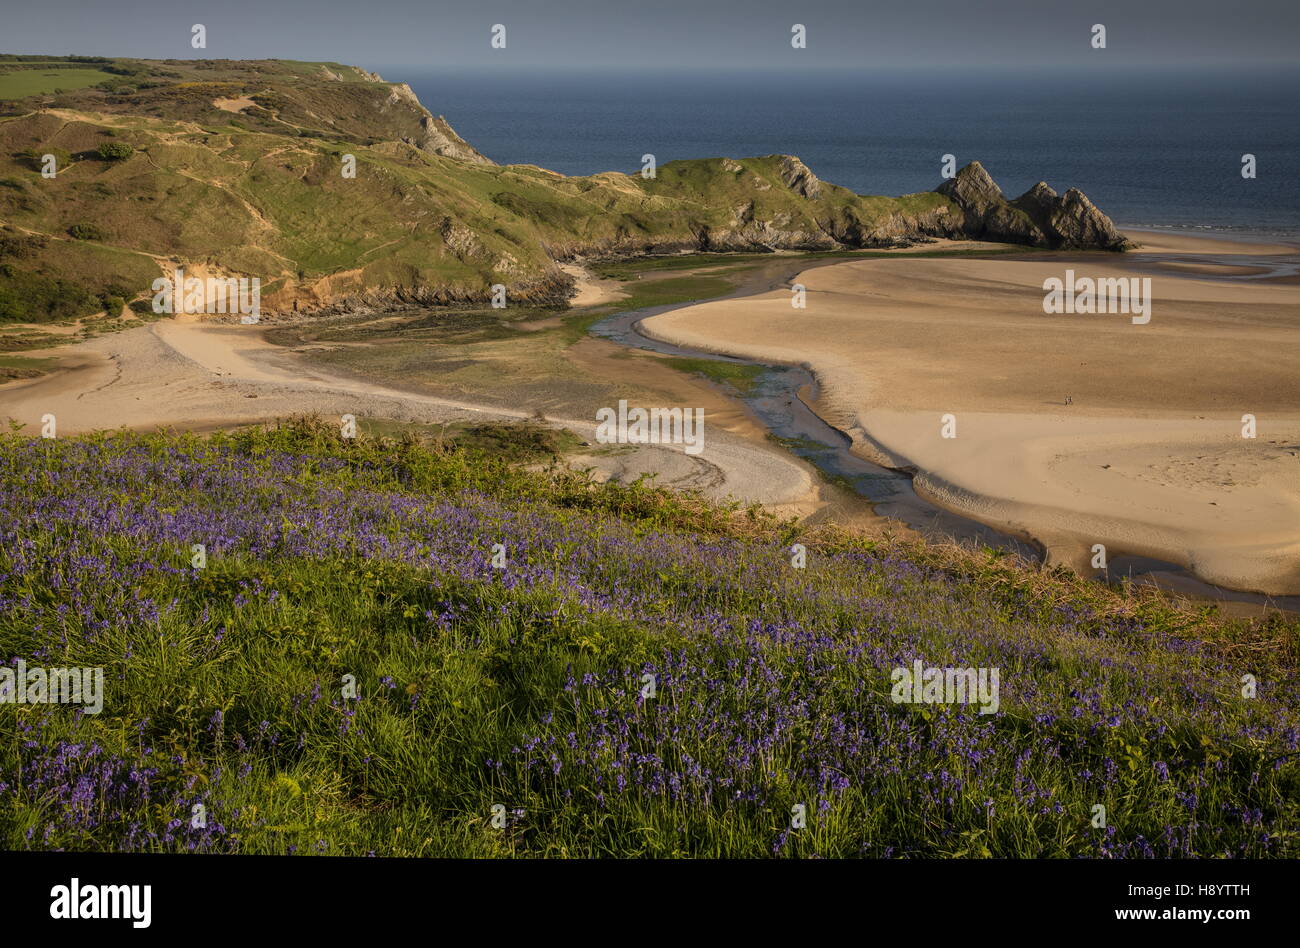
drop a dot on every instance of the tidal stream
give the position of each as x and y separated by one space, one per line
781 397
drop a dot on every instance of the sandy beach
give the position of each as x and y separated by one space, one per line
1077 429
192 373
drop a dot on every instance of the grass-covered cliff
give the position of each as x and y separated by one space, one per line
237 167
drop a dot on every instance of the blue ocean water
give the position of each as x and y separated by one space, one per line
1161 149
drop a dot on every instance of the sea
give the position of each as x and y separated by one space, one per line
1153 149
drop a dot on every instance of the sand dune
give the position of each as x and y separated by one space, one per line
1149 456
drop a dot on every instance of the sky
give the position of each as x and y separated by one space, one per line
680 35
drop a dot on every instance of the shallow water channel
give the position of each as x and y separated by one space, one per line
780 399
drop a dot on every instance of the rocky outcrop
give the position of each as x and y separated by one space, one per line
1071 220
436 134
460 240
336 297
896 229
763 236
798 177
972 187
751 232
1038 218
440 138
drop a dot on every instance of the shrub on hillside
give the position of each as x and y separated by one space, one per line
83 231
16 244
35 298
114 151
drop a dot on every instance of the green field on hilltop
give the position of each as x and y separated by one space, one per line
17 83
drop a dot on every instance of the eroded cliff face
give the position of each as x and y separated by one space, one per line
435 135
798 177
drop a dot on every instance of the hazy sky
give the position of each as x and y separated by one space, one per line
676 34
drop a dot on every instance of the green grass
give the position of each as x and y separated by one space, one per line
35 298
23 367
650 293
632 269
740 376
18 83
519 687
514 442
28 339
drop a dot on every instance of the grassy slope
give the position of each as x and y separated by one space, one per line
520 687
261 193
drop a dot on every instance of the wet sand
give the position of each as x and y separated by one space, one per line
1147 459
